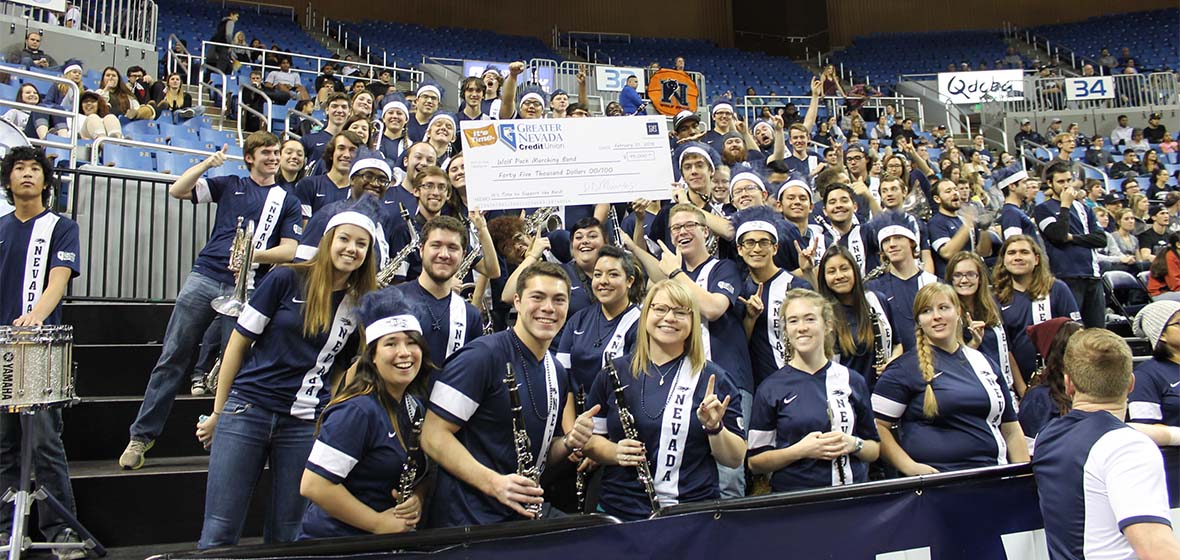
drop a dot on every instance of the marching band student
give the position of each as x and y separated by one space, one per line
618 285
900 283
698 163
843 228
367 435
669 363
290 341
448 321
1153 400
434 192
441 133
337 109
983 326
426 102
316 191
713 283
1102 487
796 199
759 232
1028 295
1013 220
369 176
528 103
893 191
863 325
394 141
32 284
416 159
1047 398
950 405
812 425
587 239
493 81
471 92
277 217
952 232
747 189
291 162
469 429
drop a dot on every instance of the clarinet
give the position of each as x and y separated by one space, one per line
409 476
525 464
580 476
879 271
616 229
878 340
643 470
841 461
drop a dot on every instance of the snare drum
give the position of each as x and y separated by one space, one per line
36 366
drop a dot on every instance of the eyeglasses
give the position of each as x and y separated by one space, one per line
970 275
375 180
660 310
677 228
430 187
530 103
745 189
759 243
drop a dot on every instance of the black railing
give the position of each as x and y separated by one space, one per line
137 244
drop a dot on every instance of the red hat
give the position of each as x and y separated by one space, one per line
1042 334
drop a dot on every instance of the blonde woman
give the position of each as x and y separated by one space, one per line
685 409
983 326
947 401
174 100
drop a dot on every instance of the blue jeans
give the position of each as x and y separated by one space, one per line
246 439
190 318
733 481
49 466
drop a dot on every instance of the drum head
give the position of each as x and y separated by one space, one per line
11 137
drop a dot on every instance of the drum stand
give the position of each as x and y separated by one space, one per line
23 499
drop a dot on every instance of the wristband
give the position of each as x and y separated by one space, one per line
713 431
860 444
674 273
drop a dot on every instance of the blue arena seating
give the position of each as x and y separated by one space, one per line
126 157
408 43
1153 37
882 57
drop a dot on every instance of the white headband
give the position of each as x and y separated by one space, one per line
1013 179
757 225
353 218
795 183
746 176
370 163
390 325
722 105
889 231
766 124
395 105
698 151
532 95
71 67
429 89
430 123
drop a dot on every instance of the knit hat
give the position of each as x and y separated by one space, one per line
386 312
1152 319
1042 334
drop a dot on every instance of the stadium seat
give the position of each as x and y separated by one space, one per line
175 163
126 157
1127 294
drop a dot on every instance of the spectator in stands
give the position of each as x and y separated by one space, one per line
1027 134
1138 142
678 64
1151 162
880 130
141 84
1152 401
1050 89
1122 244
938 136
122 101
1125 56
300 125
257 56
1080 140
358 86
1071 232
1165 271
62 95
629 98
1121 134
1095 191
31 54
283 84
73 16
614 109
348 69
174 101
1128 167
1095 155
1172 203
1168 144
831 82
1155 130
382 85
34 124
1158 183
1046 399
1154 239
1054 128
1106 60
1065 144
219 55
327 83
95 119
1138 204
250 98
1012 60
425 105
904 128
833 134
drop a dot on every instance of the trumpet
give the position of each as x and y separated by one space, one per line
388 272
241 259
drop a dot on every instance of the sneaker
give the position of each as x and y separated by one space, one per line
132 457
68 536
186 113
199 388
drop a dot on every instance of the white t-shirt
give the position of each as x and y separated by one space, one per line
278 77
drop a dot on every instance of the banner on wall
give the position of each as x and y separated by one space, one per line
984 85
613 78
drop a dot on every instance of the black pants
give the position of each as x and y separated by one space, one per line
1091 300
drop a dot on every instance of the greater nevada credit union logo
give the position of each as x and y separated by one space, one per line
533 135
508 135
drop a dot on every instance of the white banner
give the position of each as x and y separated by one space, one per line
54 5
560 162
985 85
1092 87
613 78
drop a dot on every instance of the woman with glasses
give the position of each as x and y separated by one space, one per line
983 326
947 401
812 424
684 409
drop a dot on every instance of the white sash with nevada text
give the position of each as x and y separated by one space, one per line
987 378
776 292
37 261
554 410
841 414
268 220
703 282
1005 363
856 246
618 339
343 325
674 426
458 324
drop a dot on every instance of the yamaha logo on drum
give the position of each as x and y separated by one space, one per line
7 373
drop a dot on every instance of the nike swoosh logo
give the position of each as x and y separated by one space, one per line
392 435
790 400
296 300
318 195
580 333
318 144
1175 384
575 288
238 193
1005 308
936 376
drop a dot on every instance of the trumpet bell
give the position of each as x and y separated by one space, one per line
228 305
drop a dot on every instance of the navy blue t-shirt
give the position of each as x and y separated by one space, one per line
727 344
1013 221
1156 396
1019 315
898 295
864 357
588 337
1037 409
942 229
287 372
275 213
762 356
318 191
28 252
792 403
1069 260
443 335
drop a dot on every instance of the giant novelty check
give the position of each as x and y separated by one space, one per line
561 162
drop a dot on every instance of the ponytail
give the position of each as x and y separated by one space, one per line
926 366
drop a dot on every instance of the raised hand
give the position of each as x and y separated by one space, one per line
669 260
476 217
807 256
976 330
583 429
754 305
776 121
218 158
516 68
712 409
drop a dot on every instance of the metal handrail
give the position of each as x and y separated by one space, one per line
170 60
242 107
1024 155
294 113
224 85
99 142
70 114
259 5
374 69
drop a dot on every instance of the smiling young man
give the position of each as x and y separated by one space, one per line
893 191
434 190
417 158
337 109
317 191
469 426
276 216
950 232
426 102
839 210
898 240
698 165
1014 183
368 176
473 90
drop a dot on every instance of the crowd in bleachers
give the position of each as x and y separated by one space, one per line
1143 41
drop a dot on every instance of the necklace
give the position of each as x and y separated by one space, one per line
435 321
524 374
643 389
599 327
